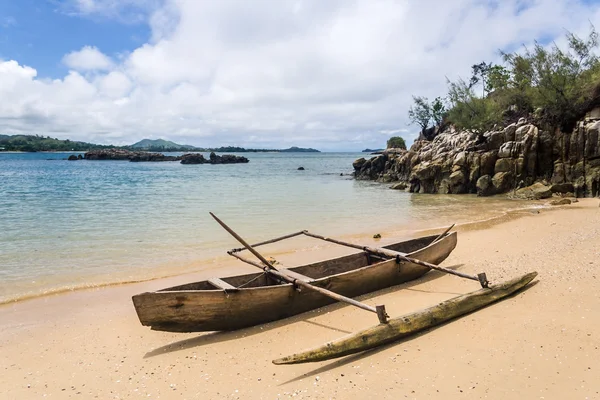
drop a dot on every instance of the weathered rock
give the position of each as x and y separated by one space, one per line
562 188
485 186
504 165
152 157
399 186
517 156
502 182
227 159
193 158
121 154
560 202
300 168
509 132
110 154
73 157
358 164
536 191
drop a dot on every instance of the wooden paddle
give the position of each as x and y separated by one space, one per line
481 278
270 269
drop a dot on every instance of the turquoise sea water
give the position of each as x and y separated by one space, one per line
71 224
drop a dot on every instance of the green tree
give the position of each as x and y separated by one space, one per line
396 142
438 111
469 111
420 112
559 81
479 73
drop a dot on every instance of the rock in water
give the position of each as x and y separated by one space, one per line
193 158
560 202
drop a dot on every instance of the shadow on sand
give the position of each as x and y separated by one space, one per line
218 337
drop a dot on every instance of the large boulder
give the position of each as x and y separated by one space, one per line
536 191
485 186
502 182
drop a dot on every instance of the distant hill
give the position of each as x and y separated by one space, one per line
295 149
32 143
160 145
371 150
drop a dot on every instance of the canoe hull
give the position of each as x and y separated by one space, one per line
177 310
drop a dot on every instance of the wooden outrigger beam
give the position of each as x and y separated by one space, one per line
270 269
409 324
481 278
291 235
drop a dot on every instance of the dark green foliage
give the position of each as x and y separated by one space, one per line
562 84
438 111
422 112
468 111
396 142
34 143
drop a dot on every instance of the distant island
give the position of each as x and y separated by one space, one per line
371 150
34 143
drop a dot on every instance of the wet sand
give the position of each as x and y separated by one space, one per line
542 343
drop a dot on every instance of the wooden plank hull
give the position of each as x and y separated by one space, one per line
409 324
193 308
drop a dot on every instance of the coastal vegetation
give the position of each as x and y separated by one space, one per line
396 142
31 143
555 85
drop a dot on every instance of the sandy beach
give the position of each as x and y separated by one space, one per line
543 343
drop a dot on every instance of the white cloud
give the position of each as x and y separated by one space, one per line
88 59
126 11
328 74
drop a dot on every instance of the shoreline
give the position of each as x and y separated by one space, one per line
543 340
207 263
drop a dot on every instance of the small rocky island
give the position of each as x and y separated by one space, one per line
144 156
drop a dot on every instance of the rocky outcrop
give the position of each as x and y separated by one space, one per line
152 157
226 159
144 156
121 154
496 162
109 154
195 158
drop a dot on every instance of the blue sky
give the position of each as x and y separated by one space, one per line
334 75
40 32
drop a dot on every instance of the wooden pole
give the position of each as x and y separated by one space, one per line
443 234
270 269
291 235
481 278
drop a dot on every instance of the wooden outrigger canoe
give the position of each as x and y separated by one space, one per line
245 300
409 324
